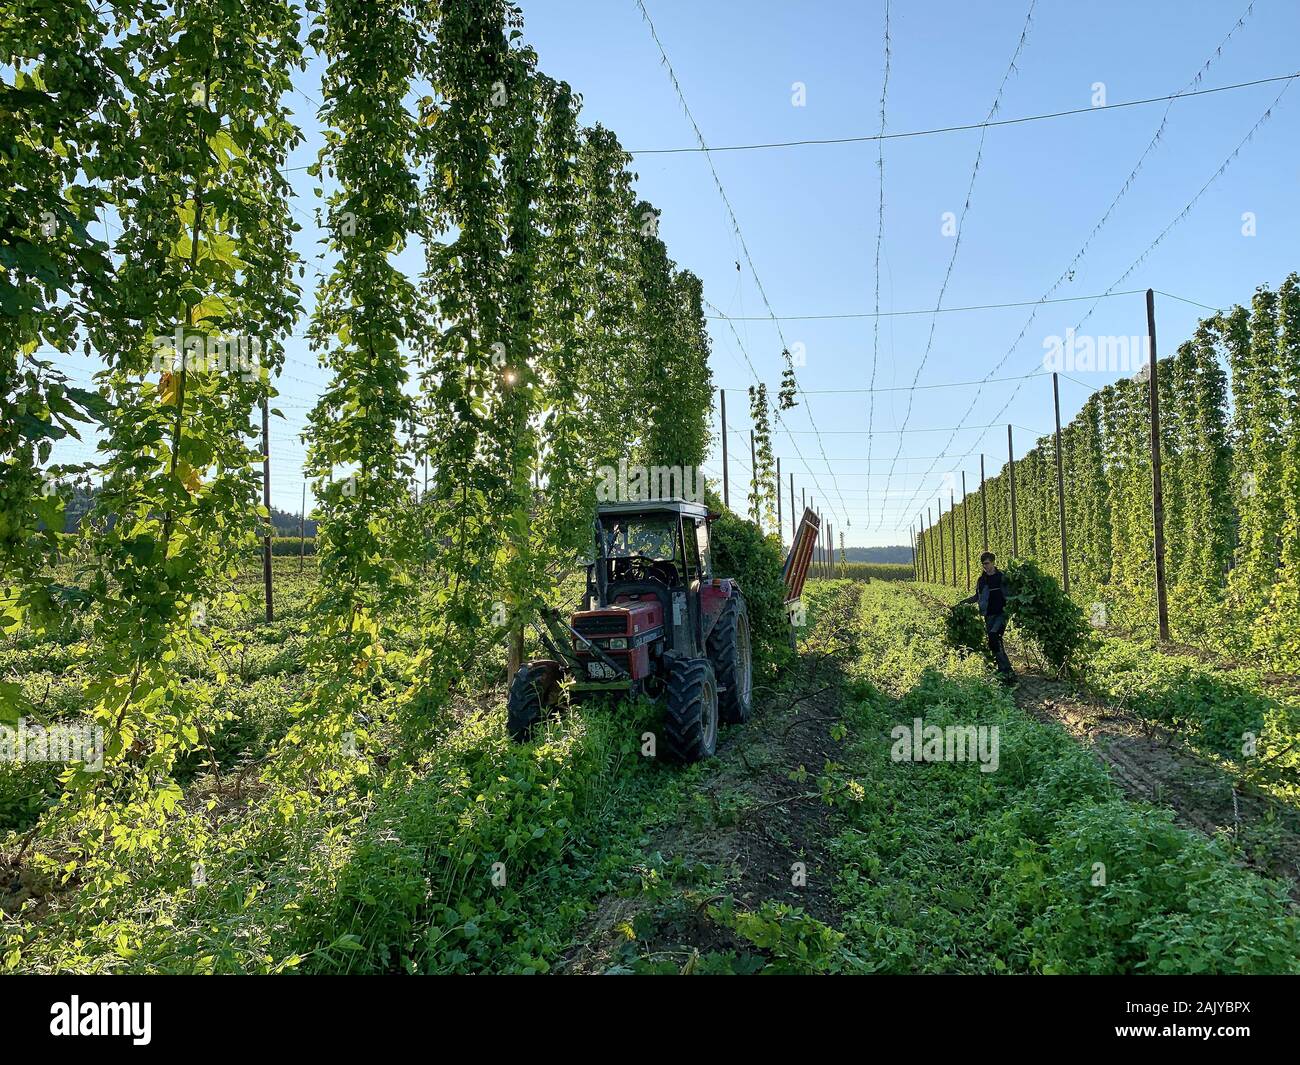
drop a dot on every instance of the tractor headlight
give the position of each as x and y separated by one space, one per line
619 643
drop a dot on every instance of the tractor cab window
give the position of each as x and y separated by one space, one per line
643 548
702 545
692 545
651 538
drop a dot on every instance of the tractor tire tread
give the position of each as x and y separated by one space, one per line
721 647
529 702
684 732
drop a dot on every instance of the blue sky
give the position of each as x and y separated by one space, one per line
809 214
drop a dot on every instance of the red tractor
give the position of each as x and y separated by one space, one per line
655 621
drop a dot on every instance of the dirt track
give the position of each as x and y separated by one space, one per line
749 826
1153 765
1150 763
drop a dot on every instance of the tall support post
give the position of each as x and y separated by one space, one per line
943 558
780 523
424 509
1157 485
1011 471
984 505
817 544
911 540
952 527
929 547
814 563
302 526
1060 488
726 475
821 541
965 526
266 502
830 550
794 514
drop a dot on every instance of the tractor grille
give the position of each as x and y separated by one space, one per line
602 625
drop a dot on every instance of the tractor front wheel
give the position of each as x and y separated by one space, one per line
729 649
690 709
534 694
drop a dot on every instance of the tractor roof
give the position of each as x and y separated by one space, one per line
684 507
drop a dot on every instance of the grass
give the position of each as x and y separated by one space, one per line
475 855
1039 866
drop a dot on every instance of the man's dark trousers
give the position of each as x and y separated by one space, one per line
995 625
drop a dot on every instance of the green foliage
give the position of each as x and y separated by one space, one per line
1230 471
1130 892
762 484
964 628
293 546
740 550
1218 713
876 571
546 320
1038 866
796 942
1046 615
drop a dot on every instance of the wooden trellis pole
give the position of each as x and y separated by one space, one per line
1157 485
929 547
1060 489
780 524
302 526
756 490
726 478
1011 470
794 515
984 505
952 524
943 562
965 523
266 502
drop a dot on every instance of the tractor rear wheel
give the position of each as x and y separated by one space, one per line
690 709
534 694
730 651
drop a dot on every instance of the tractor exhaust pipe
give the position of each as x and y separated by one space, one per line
602 574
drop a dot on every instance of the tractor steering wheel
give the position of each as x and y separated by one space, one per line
643 567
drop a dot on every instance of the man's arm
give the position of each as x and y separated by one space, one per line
979 587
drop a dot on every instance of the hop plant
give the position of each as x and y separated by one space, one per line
1046 615
963 628
789 386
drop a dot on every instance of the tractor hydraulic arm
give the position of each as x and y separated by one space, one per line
558 645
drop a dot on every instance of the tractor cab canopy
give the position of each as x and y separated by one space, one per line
664 541
678 507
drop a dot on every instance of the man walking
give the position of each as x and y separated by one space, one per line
991 597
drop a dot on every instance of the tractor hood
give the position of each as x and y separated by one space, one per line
624 631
